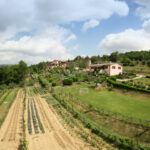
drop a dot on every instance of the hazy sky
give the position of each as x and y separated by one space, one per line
41 30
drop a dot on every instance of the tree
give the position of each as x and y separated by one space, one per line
78 58
126 61
94 59
13 74
83 64
22 70
114 57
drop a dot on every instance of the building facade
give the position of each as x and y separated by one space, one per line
108 68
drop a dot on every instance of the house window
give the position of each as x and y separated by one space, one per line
119 67
113 67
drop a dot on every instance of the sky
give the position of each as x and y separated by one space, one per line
43 30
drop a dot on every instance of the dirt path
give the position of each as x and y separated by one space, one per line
55 136
138 77
11 130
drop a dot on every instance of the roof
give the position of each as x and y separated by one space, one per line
101 65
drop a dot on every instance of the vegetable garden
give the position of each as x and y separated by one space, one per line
33 118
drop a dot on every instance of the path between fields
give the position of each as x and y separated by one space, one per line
138 77
55 136
11 130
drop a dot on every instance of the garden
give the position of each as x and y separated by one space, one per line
111 111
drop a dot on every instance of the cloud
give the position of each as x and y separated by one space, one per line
47 44
70 38
88 11
59 11
31 29
143 10
90 24
15 13
128 40
146 25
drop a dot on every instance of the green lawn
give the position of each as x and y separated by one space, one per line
126 104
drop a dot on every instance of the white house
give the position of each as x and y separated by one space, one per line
108 68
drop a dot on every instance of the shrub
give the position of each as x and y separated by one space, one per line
74 79
67 81
43 82
76 115
50 80
147 76
53 83
30 82
110 87
21 83
113 78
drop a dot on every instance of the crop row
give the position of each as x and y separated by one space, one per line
39 90
34 118
38 118
29 119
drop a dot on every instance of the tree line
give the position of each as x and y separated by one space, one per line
13 74
127 59
17 73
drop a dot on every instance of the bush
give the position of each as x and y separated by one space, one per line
53 83
147 76
21 83
43 82
114 78
50 80
111 87
30 82
74 79
67 82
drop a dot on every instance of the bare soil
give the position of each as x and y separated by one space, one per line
11 131
55 136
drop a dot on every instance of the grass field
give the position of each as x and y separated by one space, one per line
132 104
102 108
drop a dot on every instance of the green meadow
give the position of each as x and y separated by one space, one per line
131 104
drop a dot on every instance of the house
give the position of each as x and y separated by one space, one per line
107 68
57 63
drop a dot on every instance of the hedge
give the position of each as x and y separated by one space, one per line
128 87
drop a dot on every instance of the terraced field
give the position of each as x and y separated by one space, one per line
12 129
